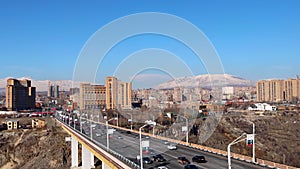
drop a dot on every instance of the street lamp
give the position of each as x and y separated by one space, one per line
153 126
117 120
253 147
74 121
228 148
91 128
80 123
187 129
107 134
141 149
130 121
98 117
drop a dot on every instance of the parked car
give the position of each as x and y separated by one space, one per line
98 134
159 158
147 160
183 160
198 159
191 166
172 147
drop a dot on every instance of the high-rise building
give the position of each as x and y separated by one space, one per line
124 95
118 94
20 95
278 90
53 91
92 96
177 94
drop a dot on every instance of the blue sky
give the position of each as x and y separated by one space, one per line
254 39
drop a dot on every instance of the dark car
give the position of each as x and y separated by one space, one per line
199 159
183 160
147 160
191 166
159 158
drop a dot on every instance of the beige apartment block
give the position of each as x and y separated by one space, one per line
278 90
92 96
118 94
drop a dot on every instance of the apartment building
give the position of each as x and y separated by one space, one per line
92 96
53 91
118 94
278 90
20 95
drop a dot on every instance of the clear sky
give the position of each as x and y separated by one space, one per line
255 39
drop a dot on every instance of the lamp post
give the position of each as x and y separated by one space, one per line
141 148
74 121
253 147
153 126
80 123
117 120
69 119
107 135
91 129
187 129
130 121
228 148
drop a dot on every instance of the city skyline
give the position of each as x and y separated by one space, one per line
43 40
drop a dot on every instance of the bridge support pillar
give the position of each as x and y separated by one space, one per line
92 160
104 166
74 152
86 158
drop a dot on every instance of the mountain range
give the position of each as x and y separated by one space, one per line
42 85
205 81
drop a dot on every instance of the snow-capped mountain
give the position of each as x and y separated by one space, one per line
207 81
42 85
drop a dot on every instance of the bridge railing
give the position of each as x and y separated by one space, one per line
130 163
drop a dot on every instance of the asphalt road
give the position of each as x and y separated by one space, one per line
128 145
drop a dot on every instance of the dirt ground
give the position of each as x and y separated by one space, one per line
34 148
277 136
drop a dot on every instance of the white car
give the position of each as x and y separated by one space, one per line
166 142
172 147
98 134
162 167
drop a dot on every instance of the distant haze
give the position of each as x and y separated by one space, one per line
195 81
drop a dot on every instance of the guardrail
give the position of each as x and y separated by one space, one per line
261 162
108 155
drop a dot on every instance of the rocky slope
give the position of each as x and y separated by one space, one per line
277 136
34 149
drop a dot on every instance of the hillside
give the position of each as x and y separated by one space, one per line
277 136
35 149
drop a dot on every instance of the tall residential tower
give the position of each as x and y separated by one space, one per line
118 94
20 95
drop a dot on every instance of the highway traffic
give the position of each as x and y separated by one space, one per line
128 145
